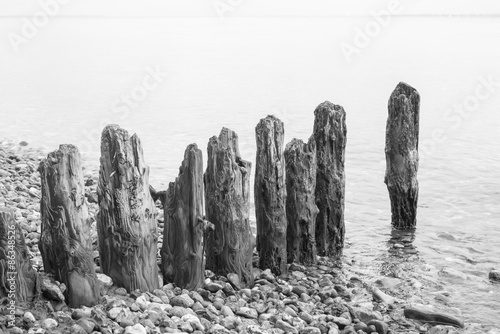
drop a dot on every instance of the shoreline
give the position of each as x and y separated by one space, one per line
325 297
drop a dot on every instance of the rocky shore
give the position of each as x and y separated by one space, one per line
329 297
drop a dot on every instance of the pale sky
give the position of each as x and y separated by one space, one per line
246 8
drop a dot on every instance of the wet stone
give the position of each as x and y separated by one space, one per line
494 275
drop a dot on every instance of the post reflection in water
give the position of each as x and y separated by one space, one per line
401 254
401 243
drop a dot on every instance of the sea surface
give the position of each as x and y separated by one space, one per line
179 81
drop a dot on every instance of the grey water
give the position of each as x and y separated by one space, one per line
179 81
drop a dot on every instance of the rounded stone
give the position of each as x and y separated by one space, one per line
49 323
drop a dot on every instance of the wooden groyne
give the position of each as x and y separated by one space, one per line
299 197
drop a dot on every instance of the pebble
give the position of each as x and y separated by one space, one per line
298 289
193 321
50 290
182 300
268 276
29 319
212 286
285 326
382 297
218 329
179 311
77 329
247 312
15 330
254 329
226 311
310 330
49 323
142 302
135 329
288 310
380 326
234 279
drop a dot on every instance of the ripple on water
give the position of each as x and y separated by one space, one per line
447 270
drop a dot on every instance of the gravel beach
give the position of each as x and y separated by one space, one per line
328 297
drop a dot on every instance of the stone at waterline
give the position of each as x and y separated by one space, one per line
126 223
432 317
380 296
330 134
494 275
229 248
15 257
401 153
65 243
182 250
301 209
270 195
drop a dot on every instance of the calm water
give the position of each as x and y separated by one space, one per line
65 84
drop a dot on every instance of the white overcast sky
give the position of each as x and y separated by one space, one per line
246 8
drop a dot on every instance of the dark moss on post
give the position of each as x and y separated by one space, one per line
301 209
126 223
16 273
229 249
182 251
270 195
330 135
65 243
401 153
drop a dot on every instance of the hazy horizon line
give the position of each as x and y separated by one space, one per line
255 16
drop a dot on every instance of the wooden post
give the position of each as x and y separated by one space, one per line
401 154
301 209
182 251
126 224
65 243
270 195
17 277
330 135
229 248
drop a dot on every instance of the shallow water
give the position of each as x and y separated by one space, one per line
63 87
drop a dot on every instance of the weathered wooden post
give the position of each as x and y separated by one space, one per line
182 251
229 248
270 195
330 135
126 224
301 209
17 277
401 154
65 242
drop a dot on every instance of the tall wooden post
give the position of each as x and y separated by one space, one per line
229 248
401 154
126 223
270 195
182 251
330 135
301 209
17 277
65 243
